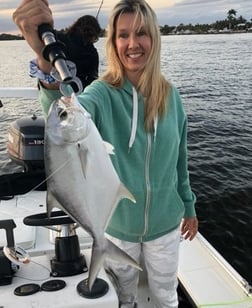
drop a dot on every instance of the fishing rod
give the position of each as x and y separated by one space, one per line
54 51
98 12
63 70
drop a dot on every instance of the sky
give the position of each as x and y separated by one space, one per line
169 12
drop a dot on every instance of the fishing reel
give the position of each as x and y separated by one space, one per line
63 70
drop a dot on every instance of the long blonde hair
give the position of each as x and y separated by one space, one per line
152 84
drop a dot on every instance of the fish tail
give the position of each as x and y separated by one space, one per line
97 259
125 193
117 254
109 250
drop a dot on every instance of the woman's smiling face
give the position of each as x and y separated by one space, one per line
133 45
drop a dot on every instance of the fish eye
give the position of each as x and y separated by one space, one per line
62 113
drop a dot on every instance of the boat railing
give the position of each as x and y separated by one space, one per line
24 92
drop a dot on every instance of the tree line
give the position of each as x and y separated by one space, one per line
231 23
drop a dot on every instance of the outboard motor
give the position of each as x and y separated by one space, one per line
25 147
26 142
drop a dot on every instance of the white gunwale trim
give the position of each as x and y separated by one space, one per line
22 92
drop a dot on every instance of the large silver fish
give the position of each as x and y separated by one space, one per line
81 179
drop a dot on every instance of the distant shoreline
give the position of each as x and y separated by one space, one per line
11 37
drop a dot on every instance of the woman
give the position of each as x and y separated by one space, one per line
141 114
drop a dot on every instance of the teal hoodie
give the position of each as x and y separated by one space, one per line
153 166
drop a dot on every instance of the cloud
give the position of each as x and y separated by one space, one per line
65 12
200 11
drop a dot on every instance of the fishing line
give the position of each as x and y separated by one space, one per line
38 279
48 177
98 12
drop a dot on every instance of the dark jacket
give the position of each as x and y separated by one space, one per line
84 55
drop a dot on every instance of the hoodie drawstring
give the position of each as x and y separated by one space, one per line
155 127
134 118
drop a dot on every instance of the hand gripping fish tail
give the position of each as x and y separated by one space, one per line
81 179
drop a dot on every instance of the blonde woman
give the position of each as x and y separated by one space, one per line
138 111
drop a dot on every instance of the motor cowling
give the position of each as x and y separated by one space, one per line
25 143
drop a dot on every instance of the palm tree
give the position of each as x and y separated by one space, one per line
231 17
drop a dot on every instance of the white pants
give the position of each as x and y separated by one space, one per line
160 258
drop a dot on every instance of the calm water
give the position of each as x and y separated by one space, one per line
214 76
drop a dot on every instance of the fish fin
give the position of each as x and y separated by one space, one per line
51 202
123 192
83 154
117 254
109 148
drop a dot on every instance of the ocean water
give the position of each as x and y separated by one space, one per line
214 76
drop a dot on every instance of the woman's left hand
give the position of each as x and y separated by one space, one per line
189 228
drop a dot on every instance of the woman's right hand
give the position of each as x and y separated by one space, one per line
28 16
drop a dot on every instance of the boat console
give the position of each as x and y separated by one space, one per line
55 274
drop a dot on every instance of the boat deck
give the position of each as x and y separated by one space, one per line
208 279
205 277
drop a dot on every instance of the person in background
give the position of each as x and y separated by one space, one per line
141 113
78 40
